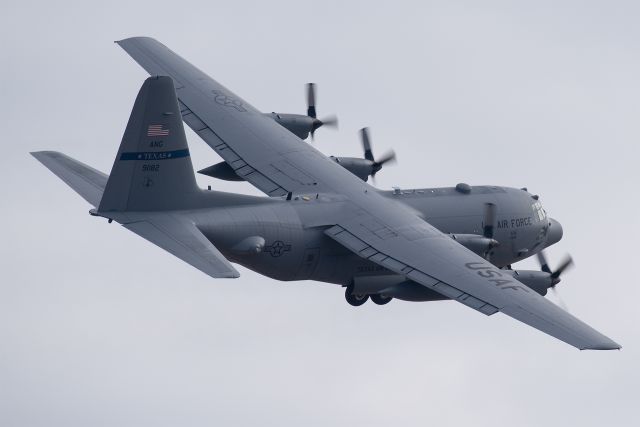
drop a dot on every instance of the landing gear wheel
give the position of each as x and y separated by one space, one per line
355 299
380 299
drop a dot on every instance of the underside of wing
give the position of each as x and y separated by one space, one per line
439 263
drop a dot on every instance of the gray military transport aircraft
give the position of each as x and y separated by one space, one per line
321 220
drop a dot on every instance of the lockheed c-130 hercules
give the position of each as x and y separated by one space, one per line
321 220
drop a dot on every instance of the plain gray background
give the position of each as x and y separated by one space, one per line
100 328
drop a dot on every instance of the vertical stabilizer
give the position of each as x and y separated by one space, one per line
153 169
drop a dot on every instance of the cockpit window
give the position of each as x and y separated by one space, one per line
538 211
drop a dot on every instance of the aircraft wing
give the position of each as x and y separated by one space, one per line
254 145
377 228
423 254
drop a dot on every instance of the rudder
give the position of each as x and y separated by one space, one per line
153 169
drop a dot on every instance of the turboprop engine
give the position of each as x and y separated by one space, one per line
481 244
476 243
368 166
300 125
539 281
543 280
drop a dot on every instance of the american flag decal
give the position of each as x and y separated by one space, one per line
157 130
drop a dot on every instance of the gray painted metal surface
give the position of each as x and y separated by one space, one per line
321 222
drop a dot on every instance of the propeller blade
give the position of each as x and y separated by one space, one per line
366 144
544 266
558 298
377 165
555 276
568 262
388 157
489 223
311 100
330 121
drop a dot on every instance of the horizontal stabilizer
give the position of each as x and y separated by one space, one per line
182 238
85 180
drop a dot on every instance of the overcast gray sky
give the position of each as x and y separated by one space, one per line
100 328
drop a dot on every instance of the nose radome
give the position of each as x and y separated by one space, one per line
554 235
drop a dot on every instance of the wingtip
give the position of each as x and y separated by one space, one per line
42 153
128 39
231 275
603 346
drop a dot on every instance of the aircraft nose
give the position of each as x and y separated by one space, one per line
554 235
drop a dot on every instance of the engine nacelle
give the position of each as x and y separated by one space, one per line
361 168
476 243
539 281
395 286
298 124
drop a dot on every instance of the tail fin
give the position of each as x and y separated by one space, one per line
153 170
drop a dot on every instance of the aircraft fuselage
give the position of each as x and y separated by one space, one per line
296 248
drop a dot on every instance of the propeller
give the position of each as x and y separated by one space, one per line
555 275
330 121
376 165
311 100
488 227
489 220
